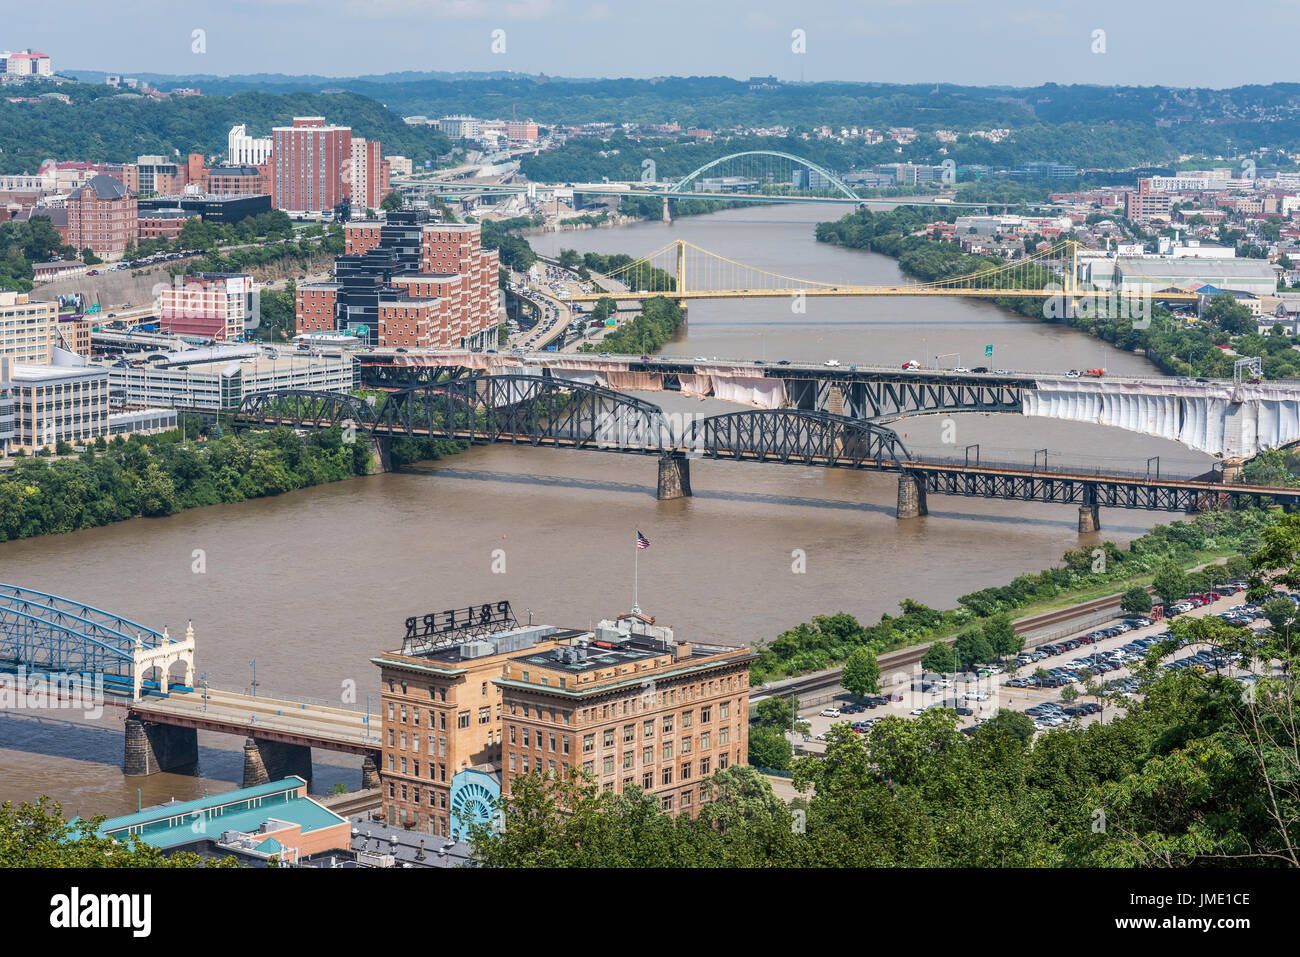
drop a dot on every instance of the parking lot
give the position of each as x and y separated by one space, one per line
1108 653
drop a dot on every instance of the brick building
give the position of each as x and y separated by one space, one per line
211 305
408 282
473 701
308 160
102 215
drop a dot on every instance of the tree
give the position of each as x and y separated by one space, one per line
1224 311
1002 636
1170 582
89 258
391 202
775 713
1015 723
1135 601
971 649
769 748
861 673
1070 694
939 658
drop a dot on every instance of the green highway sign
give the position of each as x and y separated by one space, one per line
988 352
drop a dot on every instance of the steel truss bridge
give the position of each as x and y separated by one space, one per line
554 412
682 270
43 633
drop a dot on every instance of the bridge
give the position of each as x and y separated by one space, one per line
42 633
555 412
681 270
1233 419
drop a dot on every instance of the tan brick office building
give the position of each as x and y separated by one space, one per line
626 703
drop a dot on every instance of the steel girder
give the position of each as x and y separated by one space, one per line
44 632
1068 490
306 408
799 436
884 400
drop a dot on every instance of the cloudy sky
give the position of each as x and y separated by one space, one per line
1140 42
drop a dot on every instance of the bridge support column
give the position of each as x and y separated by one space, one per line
266 761
151 748
381 450
674 476
1089 519
668 215
369 773
911 496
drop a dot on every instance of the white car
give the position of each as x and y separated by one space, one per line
961 370
831 362
830 712
976 696
1072 374
916 711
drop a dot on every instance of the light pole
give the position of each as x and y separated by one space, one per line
204 678
254 664
368 734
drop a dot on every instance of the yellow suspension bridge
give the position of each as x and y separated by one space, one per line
682 270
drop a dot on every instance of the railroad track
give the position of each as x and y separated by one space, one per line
904 658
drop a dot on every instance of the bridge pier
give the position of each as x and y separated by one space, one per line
369 773
381 454
674 476
1089 519
911 497
668 216
266 761
151 748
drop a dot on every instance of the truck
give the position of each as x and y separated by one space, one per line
1095 373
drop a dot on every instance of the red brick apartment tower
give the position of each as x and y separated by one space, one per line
308 159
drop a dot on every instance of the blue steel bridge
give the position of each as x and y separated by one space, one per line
47 634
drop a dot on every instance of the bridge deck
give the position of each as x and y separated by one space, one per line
290 722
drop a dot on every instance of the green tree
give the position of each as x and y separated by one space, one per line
1002 636
769 748
861 673
1170 582
939 659
1015 723
391 202
1135 601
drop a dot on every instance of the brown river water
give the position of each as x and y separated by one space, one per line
313 583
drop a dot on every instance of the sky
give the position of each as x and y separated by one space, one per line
973 42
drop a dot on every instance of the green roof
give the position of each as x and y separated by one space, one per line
245 810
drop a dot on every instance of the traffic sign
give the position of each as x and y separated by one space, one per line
988 352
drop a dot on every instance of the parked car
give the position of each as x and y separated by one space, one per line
830 712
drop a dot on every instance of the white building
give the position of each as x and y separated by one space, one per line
25 63
245 150
459 127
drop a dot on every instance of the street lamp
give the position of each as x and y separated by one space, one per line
368 734
254 664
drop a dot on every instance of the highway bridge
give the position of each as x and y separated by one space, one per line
555 412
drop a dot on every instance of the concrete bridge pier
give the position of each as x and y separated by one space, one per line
911 496
266 761
369 773
674 476
381 451
1089 519
668 215
151 748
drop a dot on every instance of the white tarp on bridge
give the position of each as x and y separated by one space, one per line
1219 418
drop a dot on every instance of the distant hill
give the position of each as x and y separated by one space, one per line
103 125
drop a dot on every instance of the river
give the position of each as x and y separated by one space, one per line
313 583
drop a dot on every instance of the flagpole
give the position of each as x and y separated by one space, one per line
636 574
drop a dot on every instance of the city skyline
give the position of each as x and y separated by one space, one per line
898 41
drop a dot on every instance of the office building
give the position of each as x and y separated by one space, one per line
473 700
1147 203
206 305
27 327
55 404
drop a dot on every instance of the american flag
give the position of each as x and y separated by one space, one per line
642 541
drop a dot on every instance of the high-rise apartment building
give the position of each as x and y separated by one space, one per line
367 176
102 215
27 328
308 159
245 150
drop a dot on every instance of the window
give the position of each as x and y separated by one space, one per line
512 734
686 770
608 738
588 743
484 715
403 765
391 741
403 740
526 737
667 776
552 742
724 736
588 767
608 766
485 688
724 710
668 751
647 780
390 708
704 741
704 767
403 714
686 799
462 719
668 724
686 718
629 733
565 743
442 720
648 755
648 729
686 745
628 757
722 761
512 762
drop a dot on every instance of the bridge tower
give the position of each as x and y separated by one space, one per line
668 214
681 270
